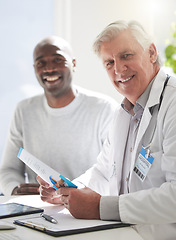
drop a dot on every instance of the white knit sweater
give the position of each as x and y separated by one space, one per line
68 139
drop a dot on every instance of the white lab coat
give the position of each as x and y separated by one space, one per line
150 204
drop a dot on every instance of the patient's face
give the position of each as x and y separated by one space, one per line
53 69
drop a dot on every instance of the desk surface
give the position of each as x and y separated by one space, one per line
23 233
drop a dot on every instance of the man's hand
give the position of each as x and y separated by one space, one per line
82 203
48 193
26 189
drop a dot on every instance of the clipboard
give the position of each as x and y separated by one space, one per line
67 224
54 231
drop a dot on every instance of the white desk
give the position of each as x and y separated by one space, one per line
23 233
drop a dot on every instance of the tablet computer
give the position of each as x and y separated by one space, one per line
16 209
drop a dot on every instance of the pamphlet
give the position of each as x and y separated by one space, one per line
48 174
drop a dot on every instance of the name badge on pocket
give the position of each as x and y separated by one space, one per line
143 164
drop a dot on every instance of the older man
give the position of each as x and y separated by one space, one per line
134 179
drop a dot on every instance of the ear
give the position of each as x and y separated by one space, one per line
34 67
74 65
152 53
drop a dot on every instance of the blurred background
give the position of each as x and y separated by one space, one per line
23 23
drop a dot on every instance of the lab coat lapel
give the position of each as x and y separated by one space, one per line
120 136
143 125
153 100
146 118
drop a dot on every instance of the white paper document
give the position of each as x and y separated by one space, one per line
42 170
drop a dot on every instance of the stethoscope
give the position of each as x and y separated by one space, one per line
162 93
159 105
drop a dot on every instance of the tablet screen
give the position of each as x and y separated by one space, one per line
16 209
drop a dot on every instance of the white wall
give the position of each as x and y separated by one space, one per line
79 21
22 24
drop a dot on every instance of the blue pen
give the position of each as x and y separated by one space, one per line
67 182
53 182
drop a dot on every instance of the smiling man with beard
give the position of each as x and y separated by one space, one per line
65 127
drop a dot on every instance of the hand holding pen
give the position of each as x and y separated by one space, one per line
63 182
57 184
48 193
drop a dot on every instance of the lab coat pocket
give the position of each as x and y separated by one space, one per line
113 170
113 181
155 175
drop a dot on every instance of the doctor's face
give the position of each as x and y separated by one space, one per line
129 66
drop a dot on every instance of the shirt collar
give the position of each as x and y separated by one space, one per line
140 103
142 100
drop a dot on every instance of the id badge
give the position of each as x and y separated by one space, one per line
143 164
